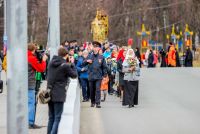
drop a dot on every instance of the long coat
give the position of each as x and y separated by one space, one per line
188 59
121 74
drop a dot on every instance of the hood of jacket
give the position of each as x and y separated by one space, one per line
57 61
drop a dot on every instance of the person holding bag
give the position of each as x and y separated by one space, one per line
59 73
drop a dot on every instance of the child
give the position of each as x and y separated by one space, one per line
104 87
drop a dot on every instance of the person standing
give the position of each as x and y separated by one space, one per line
59 73
33 66
172 56
178 64
131 77
163 58
97 70
137 53
120 59
151 59
83 75
188 58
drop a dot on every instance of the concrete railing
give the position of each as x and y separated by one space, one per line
70 121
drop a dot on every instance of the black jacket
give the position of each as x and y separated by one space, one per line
97 69
150 60
58 78
188 59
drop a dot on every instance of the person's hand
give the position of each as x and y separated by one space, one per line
132 69
45 57
89 61
71 60
83 69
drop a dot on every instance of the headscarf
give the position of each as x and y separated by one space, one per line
121 55
128 56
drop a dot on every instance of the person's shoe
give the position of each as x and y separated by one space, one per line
130 106
84 100
34 126
92 105
98 106
103 100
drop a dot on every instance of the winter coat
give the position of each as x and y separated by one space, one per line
172 57
188 59
59 73
104 84
97 69
83 74
128 75
33 66
121 73
4 65
177 60
163 61
151 60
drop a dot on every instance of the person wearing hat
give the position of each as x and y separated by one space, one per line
97 70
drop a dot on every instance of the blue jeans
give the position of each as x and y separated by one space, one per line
55 113
31 106
84 85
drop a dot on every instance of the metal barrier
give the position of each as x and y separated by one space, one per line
70 121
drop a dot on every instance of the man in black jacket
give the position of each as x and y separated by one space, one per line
97 69
58 78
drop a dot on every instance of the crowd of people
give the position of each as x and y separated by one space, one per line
101 69
169 58
106 69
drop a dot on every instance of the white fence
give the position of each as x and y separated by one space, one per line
70 121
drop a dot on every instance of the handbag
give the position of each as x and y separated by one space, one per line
44 96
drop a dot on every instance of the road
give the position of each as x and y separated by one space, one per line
41 116
169 103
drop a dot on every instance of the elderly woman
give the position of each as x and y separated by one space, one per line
131 71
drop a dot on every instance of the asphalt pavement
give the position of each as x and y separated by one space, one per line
169 103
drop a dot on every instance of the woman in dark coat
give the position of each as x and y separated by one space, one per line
188 58
120 59
137 53
163 56
178 64
150 59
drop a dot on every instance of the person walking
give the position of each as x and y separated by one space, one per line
178 64
188 58
97 70
151 59
163 58
132 72
83 74
172 56
137 53
104 87
120 59
59 73
33 66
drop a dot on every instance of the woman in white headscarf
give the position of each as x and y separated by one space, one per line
131 77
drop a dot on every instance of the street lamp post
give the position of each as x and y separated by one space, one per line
54 26
17 67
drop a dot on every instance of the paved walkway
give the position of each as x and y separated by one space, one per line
41 116
169 103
